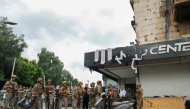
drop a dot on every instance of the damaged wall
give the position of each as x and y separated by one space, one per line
182 16
150 21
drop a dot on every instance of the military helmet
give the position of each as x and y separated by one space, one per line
39 79
138 84
13 76
98 82
49 80
80 82
64 82
92 83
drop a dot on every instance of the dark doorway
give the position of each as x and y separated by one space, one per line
131 90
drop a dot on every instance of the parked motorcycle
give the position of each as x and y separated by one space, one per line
103 103
26 102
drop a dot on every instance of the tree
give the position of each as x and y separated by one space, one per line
29 72
51 66
75 82
67 76
11 46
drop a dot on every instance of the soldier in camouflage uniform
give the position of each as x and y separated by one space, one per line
37 92
77 96
116 95
98 90
92 95
64 92
139 94
74 98
11 88
24 89
20 92
49 94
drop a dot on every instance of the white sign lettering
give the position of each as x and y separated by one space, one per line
151 50
137 59
172 48
103 56
96 55
186 48
162 49
121 57
182 46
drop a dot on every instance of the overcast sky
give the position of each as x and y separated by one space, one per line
69 28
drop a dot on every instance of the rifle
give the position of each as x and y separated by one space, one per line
63 91
13 91
14 95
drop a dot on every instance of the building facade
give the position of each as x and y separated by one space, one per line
160 60
160 20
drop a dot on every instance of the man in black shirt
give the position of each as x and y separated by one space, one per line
85 97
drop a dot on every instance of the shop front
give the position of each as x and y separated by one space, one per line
162 68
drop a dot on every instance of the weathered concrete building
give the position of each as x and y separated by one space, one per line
160 60
160 20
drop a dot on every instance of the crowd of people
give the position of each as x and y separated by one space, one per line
83 97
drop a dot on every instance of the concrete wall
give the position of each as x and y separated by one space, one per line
150 22
173 79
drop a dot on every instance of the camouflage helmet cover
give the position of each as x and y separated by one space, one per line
138 84
39 79
49 80
80 82
92 83
98 82
13 76
64 82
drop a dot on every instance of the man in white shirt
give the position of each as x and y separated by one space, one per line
122 93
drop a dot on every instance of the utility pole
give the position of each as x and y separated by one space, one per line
13 65
88 82
44 80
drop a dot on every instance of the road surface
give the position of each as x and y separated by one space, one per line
2 105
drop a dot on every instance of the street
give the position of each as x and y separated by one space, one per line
2 104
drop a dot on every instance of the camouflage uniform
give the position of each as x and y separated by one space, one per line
116 95
139 92
92 96
20 92
78 95
64 91
49 95
74 96
98 90
37 92
9 92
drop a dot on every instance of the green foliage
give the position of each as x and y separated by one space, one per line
1 76
51 66
29 72
67 76
11 46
